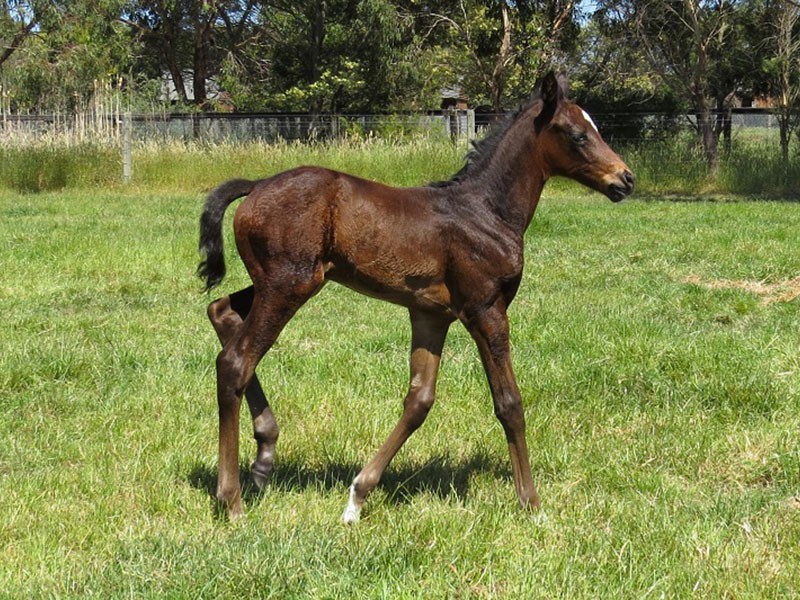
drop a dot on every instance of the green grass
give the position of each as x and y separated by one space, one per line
662 415
198 167
674 166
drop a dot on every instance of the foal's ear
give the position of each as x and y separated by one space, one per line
551 90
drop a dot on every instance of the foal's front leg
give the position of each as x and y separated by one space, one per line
227 315
489 329
428 333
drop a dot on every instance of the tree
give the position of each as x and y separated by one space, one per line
736 64
611 75
682 40
17 21
783 66
178 35
75 48
484 33
331 56
500 47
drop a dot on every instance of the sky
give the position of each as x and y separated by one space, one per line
587 6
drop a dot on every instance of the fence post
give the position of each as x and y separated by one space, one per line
453 124
470 124
127 156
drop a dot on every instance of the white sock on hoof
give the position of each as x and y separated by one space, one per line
352 513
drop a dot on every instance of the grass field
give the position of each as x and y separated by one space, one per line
656 347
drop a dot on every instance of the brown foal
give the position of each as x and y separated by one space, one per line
448 251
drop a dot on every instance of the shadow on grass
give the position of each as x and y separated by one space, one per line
443 476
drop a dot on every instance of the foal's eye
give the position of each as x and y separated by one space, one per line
579 138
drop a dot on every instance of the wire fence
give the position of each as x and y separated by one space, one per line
663 149
625 127
233 127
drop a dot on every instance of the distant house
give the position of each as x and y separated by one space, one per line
453 97
744 98
765 101
220 99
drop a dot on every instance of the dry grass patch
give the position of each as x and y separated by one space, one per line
780 291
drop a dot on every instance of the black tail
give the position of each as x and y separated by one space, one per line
212 269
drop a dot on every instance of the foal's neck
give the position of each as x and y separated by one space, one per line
514 176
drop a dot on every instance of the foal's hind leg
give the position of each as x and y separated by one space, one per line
427 338
227 315
489 329
271 309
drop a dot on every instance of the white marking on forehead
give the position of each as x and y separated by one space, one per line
588 118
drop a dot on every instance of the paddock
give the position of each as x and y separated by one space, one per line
661 407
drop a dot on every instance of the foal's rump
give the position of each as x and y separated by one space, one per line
280 213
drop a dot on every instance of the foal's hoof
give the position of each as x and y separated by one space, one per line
260 474
529 500
352 514
230 509
540 518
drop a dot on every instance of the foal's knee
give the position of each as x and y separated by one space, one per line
232 376
418 404
508 410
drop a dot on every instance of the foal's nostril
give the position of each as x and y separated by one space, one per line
629 179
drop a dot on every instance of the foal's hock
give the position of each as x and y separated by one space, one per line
449 251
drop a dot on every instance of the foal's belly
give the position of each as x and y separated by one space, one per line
410 290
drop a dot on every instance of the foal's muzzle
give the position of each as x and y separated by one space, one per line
622 187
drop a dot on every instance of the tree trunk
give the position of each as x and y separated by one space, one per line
699 85
785 132
202 41
498 79
168 35
724 123
21 35
177 78
708 137
316 40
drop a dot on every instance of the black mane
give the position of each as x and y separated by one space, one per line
480 155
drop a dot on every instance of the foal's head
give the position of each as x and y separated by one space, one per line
572 146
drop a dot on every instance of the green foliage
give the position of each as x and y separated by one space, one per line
398 151
312 55
375 55
36 171
341 56
493 67
674 165
757 168
669 166
78 50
